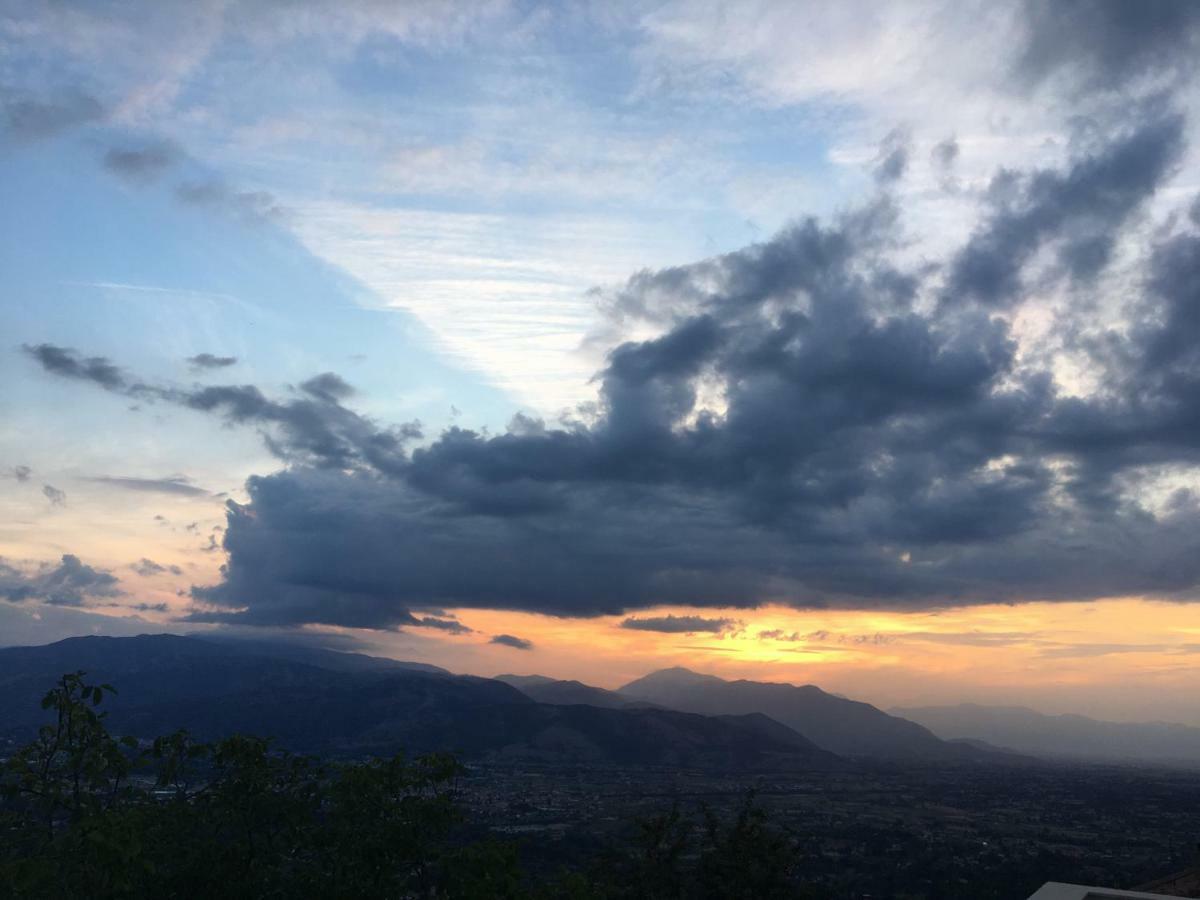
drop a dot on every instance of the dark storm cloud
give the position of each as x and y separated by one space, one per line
1105 44
32 119
314 429
54 495
509 640
210 361
143 163
863 449
250 206
680 624
176 484
1079 211
70 583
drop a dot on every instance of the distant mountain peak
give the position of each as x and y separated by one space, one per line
676 675
519 680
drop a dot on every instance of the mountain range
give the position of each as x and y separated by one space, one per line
315 699
845 727
1066 736
325 701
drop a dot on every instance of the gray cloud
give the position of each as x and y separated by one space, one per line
868 451
327 386
945 153
70 583
143 163
509 640
69 364
1078 212
313 429
30 119
249 206
175 484
21 473
148 567
893 157
778 634
210 361
672 624
147 607
1107 44
442 624
54 495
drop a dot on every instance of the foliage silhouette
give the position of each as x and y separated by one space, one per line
86 814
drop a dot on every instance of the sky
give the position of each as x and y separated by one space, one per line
851 344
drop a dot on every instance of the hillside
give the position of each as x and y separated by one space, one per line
335 705
844 727
565 693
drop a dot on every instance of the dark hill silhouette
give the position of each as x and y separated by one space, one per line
566 693
332 704
844 727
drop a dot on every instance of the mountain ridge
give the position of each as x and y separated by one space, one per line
846 727
1066 735
215 689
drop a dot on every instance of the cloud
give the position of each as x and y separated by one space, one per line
70 583
672 624
815 420
148 567
451 625
54 495
509 640
29 119
69 364
148 607
209 361
1078 211
313 429
893 156
141 164
327 386
21 473
1106 44
778 634
944 153
249 206
175 484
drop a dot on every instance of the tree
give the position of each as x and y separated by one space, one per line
85 814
